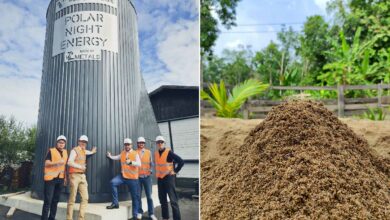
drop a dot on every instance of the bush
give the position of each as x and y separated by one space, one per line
17 142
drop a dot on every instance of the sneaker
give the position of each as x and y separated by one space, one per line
153 217
113 206
139 216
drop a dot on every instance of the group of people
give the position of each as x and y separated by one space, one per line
136 170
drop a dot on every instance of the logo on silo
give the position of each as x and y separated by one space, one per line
83 35
60 4
65 3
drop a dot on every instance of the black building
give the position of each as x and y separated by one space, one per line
173 102
177 112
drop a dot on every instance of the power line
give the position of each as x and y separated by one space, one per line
270 24
249 32
259 24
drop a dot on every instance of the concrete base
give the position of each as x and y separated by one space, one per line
95 211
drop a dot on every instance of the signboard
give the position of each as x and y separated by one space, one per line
61 4
82 35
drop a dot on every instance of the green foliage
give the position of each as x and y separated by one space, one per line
375 114
353 48
17 143
233 68
314 44
267 63
228 104
371 16
226 12
350 63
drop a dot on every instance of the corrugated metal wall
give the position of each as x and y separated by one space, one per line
185 139
170 103
105 100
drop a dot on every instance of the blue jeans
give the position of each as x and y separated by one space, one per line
146 182
133 189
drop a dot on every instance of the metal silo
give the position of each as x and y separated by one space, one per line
92 85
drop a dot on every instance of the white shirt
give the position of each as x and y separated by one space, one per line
72 157
136 163
151 161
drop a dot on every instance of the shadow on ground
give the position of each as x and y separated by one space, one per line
189 211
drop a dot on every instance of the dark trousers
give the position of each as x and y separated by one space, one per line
167 186
52 192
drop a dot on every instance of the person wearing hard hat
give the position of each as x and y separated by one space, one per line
145 181
130 162
166 176
78 182
54 177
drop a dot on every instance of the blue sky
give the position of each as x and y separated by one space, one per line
266 12
169 40
169 48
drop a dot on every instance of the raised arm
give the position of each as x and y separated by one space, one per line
116 157
90 152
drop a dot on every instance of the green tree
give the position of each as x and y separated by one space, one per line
17 143
267 64
226 14
350 63
238 65
315 41
212 69
372 16
289 41
234 66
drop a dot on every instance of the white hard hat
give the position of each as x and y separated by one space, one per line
83 138
127 141
160 138
141 139
61 137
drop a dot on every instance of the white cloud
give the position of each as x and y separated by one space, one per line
170 52
180 52
233 44
266 12
22 38
169 49
20 98
321 4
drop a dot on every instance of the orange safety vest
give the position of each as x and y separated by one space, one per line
145 162
81 158
129 171
57 169
163 167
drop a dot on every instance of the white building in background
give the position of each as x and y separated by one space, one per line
177 112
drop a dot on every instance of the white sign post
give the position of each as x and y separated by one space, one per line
83 35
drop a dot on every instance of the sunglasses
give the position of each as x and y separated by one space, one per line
140 142
127 144
160 142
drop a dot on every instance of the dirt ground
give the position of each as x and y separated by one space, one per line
215 131
301 162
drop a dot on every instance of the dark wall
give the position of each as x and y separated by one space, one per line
175 103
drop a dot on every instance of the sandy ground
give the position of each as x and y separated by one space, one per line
216 132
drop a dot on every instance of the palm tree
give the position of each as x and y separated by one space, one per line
228 104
